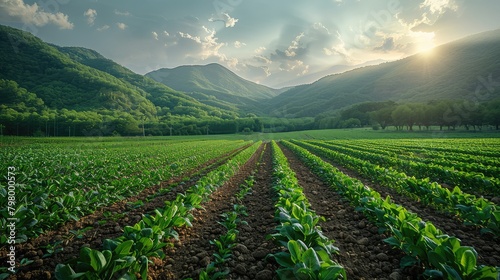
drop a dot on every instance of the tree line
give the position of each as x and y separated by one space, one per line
450 114
23 113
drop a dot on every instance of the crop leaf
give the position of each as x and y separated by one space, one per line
468 262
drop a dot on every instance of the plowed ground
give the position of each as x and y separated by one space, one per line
362 250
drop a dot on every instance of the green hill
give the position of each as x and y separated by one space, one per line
451 71
214 82
82 91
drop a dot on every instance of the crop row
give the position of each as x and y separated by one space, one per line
309 252
128 255
55 184
441 255
474 181
226 242
466 163
473 210
472 147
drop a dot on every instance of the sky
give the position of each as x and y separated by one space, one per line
275 43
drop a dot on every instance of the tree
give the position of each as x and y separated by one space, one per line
403 115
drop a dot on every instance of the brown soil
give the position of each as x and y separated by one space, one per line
193 251
102 227
363 253
487 246
362 250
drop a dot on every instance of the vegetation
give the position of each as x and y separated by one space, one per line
215 85
454 71
442 256
80 176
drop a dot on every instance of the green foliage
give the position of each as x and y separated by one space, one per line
441 255
451 73
215 85
309 251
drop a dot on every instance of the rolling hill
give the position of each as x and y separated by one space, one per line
83 80
451 71
214 82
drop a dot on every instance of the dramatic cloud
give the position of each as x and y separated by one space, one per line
294 46
91 14
270 43
387 45
33 14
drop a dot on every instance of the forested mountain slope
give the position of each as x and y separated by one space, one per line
451 71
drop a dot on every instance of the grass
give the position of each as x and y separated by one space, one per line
326 134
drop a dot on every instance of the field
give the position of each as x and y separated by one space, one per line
313 205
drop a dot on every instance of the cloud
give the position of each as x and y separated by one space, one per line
339 49
208 45
91 14
121 25
238 44
103 28
118 13
290 52
155 35
259 50
33 14
388 45
439 6
426 12
230 22
227 19
262 59
296 66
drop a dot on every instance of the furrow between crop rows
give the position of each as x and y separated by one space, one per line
362 250
425 246
488 248
64 243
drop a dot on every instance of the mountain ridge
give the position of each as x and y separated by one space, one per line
215 82
451 71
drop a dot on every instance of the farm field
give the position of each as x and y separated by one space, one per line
317 207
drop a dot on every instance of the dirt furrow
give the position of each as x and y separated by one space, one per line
487 246
363 252
107 222
192 252
252 249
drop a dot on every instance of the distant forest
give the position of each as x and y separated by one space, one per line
23 113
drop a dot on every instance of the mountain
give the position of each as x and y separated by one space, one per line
83 80
160 94
336 69
451 71
215 82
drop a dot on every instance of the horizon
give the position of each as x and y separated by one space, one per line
301 42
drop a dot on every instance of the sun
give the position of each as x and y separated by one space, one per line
424 42
427 49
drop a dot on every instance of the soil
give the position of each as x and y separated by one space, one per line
363 252
486 245
102 226
193 252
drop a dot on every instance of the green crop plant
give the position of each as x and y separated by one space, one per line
58 182
424 244
474 211
309 251
301 262
146 238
